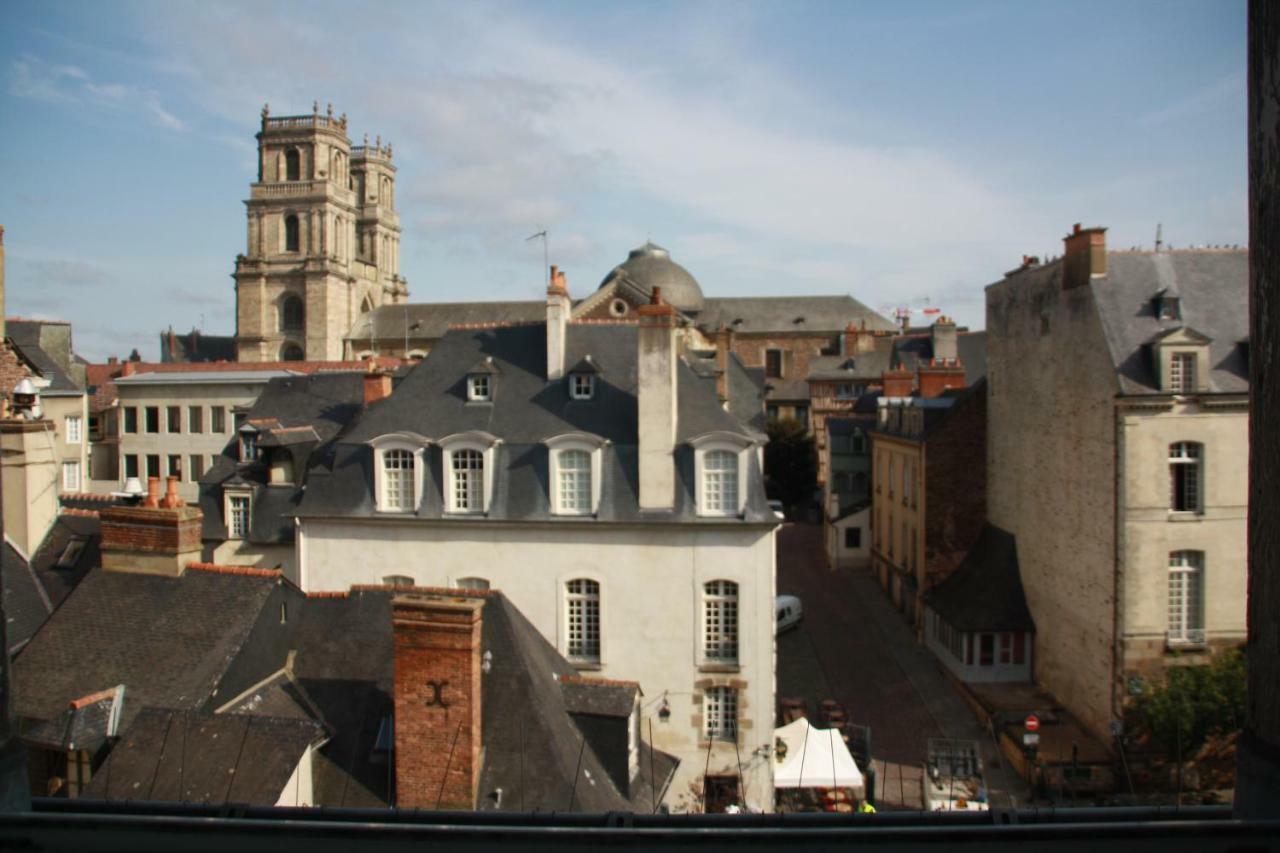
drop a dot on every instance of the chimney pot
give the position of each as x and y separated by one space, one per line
153 493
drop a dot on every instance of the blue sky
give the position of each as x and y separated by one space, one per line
907 154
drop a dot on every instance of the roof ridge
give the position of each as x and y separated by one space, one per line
78 513
247 571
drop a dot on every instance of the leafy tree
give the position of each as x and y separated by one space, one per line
790 462
1195 702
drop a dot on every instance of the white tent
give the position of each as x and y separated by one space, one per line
816 758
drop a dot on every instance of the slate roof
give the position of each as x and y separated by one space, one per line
194 346
169 640
25 335
59 579
650 266
985 592
765 314
193 757
593 696
525 411
432 319
85 724
26 602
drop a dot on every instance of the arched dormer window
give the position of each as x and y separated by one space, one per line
575 473
292 165
720 469
292 233
398 469
468 472
292 352
292 313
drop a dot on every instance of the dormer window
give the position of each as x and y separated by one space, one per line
479 389
1168 307
582 386
248 444
398 471
1181 356
1182 372
468 468
575 473
720 471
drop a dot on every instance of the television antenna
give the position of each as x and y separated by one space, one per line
545 259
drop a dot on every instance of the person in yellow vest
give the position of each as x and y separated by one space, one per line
866 808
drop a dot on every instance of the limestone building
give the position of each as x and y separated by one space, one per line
1117 454
323 239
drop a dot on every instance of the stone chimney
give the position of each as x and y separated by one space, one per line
939 375
437 697
377 385
558 307
656 365
856 340
157 538
724 345
29 476
943 334
1085 256
897 382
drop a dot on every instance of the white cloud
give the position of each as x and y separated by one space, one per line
31 77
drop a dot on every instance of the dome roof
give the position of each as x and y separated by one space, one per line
651 266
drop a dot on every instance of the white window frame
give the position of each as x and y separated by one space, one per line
578 627
414 444
486 445
582 386
593 446
229 496
721 620
1182 372
71 480
247 441
74 429
480 388
1185 600
720 713
733 443
1184 456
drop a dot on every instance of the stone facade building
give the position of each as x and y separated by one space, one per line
1117 453
323 239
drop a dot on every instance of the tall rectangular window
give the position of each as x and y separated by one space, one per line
397 481
131 465
71 476
130 419
582 619
1182 373
466 470
1186 597
175 465
773 363
1184 476
720 713
174 418
217 419
720 621
573 489
238 516
75 429
195 419
720 482
152 414
153 464
196 467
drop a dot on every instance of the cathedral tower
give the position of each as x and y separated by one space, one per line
323 239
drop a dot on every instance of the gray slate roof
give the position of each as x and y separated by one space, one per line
192 757
26 336
761 314
194 346
526 410
26 602
985 592
432 319
85 724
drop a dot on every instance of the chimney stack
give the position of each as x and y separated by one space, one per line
1085 256
939 375
437 699
896 382
157 538
558 307
377 384
943 335
656 364
724 345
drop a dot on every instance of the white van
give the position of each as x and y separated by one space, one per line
789 612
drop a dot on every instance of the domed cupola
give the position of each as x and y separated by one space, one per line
651 266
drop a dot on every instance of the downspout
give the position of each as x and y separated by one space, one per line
1117 686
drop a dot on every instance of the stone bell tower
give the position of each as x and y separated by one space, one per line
323 239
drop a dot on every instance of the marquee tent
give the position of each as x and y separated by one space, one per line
815 758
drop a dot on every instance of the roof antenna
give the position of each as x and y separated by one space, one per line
1159 237
546 262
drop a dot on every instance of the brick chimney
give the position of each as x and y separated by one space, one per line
1085 256
656 364
377 384
939 375
897 382
157 538
943 334
724 345
558 307
437 698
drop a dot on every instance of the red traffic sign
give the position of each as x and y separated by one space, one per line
1032 722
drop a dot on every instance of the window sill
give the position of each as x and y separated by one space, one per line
586 665
718 666
1185 645
1183 515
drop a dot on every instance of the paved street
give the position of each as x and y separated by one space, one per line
854 647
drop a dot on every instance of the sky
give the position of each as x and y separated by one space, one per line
907 154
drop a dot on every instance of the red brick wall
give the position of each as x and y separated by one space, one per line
955 486
934 378
170 531
437 700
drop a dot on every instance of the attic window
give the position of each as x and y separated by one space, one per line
479 388
1168 307
71 553
248 444
582 386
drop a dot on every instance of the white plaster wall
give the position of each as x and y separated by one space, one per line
1151 531
857 558
650 588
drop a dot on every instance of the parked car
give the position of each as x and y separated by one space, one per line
789 612
778 509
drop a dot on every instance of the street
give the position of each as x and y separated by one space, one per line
854 647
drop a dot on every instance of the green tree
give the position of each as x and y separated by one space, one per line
790 462
1195 702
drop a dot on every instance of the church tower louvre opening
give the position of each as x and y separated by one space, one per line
323 238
